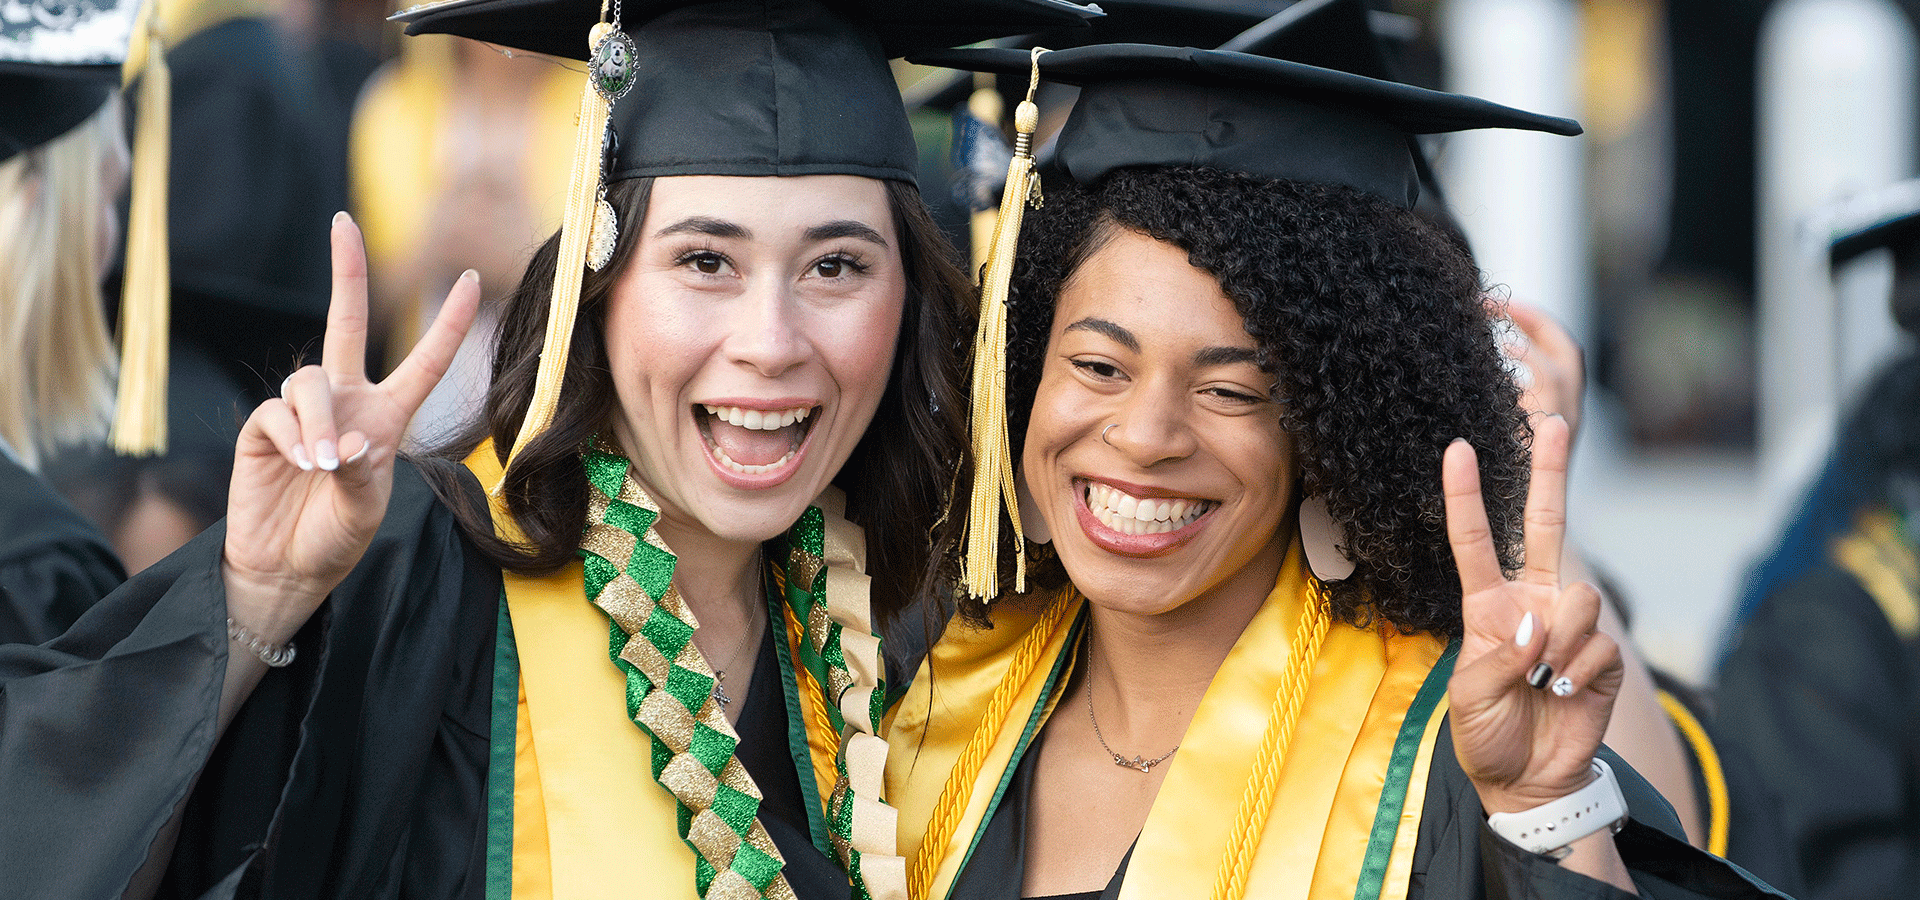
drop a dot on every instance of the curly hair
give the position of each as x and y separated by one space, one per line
1375 326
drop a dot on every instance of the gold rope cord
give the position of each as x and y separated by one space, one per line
1251 821
958 790
140 414
1719 803
993 486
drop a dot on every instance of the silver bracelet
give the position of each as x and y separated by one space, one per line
277 657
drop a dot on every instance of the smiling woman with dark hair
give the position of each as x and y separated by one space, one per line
1299 629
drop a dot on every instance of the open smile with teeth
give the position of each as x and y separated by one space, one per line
1128 514
768 423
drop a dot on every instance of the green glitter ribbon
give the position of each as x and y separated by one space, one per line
820 653
628 574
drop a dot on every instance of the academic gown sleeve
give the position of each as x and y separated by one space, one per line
358 771
53 562
1824 697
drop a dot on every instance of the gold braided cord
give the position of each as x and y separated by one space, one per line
958 791
583 187
1255 804
1719 804
140 414
993 487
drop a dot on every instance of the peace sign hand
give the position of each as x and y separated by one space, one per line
1536 682
313 469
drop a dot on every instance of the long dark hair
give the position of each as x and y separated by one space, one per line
895 480
1373 323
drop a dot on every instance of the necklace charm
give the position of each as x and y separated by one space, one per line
1143 766
720 694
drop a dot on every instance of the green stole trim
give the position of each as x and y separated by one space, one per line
503 735
1393 794
797 742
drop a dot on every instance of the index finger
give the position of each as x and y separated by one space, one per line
343 353
1547 335
1467 529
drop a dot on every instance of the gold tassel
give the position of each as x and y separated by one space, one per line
583 196
140 416
993 486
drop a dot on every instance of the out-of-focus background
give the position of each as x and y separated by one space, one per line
1682 239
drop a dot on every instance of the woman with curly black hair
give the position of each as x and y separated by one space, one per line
1301 628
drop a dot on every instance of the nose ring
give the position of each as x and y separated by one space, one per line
1103 434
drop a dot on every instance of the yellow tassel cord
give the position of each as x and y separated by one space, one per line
575 227
1719 804
958 790
993 487
1251 821
140 416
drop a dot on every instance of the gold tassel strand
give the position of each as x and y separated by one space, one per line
993 485
583 196
140 415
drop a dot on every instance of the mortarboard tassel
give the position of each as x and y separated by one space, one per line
587 224
140 415
993 486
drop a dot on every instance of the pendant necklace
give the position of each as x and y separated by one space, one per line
720 694
1137 763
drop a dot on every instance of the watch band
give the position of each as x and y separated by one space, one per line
1548 828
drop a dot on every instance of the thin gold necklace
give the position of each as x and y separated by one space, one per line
1137 763
720 694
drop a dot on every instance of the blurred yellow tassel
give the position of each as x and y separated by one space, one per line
583 194
140 417
993 486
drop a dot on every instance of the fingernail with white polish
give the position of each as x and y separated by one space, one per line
1539 675
300 458
327 454
1563 686
284 384
1524 635
357 454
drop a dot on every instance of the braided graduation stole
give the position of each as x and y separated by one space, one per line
628 574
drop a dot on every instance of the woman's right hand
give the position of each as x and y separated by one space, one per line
313 468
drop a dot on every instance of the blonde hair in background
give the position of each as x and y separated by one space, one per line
56 359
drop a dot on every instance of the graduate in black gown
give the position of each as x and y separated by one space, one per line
505 690
1821 686
63 162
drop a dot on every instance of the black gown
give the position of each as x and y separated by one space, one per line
360 771
1822 692
53 563
1457 858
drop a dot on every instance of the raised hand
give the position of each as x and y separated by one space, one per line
313 469
1536 682
1553 379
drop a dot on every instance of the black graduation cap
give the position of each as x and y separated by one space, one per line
1894 224
1899 231
755 87
58 63
1146 105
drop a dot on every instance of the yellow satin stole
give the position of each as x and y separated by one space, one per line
1332 835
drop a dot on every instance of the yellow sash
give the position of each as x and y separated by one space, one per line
1331 833
586 815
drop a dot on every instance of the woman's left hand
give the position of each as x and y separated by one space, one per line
1536 680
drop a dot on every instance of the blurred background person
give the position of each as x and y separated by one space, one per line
63 164
1822 685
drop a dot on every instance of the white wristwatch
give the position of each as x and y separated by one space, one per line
1548 828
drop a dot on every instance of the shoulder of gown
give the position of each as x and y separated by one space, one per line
1459 858
53 562
322 777
1821 694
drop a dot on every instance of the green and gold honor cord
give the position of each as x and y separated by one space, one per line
629 576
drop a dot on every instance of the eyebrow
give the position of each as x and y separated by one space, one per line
845 228
1206 357
707 226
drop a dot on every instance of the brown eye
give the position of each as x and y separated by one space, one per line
707 265
830 268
